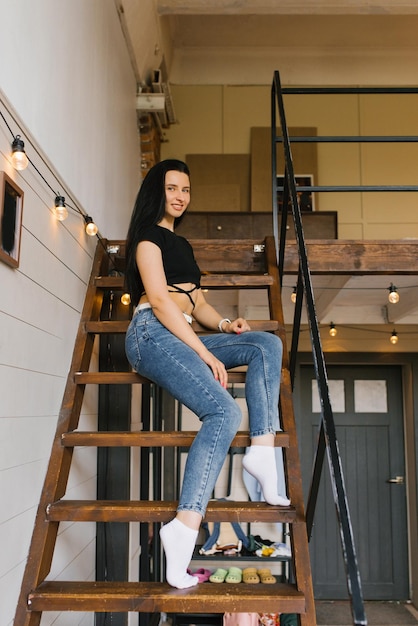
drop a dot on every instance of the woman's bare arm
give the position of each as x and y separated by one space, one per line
206 315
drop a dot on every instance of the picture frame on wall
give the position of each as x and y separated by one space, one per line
11 211
306 198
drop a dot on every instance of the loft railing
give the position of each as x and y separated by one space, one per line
327 441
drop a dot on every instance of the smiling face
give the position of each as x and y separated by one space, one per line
177 194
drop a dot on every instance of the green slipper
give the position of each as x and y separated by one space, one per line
218 576
234 575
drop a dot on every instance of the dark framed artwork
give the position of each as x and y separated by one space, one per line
11 209
306 197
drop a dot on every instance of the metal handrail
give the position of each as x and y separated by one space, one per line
327 440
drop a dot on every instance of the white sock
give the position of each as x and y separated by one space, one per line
178 541
260 462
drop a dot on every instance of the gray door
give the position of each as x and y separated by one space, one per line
367 407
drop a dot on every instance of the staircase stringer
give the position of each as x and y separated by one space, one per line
292 466
44 534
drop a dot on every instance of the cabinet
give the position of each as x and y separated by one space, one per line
240 225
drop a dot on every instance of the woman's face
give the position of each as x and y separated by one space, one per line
177 193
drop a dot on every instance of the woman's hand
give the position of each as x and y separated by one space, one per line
238 326
217 367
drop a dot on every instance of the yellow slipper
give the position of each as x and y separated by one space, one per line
266 576
250 576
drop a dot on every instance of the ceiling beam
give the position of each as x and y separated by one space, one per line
283 7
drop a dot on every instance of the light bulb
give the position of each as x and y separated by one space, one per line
19 159
394 337
126 299
393 294
91 228
293 295
332 330
60 210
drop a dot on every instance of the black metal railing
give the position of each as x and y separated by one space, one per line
327 440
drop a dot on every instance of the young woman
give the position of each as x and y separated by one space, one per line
164 282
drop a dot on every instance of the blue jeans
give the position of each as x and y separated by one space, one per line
154 352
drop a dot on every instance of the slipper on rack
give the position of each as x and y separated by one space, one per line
201 574
266 576
249 575
234 575
218 576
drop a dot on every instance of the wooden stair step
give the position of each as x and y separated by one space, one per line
130 378
218 281
163 511
146 439
119 327
148 597
113 328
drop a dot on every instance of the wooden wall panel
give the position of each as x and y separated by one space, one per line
223 177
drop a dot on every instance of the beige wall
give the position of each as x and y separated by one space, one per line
218 120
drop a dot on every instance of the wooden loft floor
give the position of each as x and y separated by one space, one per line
337 256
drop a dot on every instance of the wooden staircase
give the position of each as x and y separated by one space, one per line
225 264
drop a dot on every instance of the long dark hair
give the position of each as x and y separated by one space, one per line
149 210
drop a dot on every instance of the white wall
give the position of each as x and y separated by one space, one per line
68 88
69 77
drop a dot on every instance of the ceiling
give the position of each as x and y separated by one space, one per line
180 34
272 29
259 29
196 40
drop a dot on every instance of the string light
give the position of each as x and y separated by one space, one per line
293 295
91 228
393 294
368 330
126 299
19 159
60 210
394 337
332 329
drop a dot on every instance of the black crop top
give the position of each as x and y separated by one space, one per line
178 259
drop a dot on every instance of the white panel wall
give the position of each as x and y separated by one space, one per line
66 70
68 88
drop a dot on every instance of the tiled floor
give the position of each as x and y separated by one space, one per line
338 613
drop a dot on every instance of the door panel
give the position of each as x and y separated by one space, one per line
368 415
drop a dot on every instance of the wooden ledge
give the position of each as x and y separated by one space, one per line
146 439
160 597
159 511
131 378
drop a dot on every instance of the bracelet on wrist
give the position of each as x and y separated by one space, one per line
225 319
